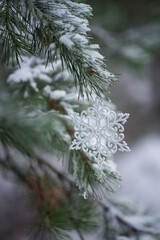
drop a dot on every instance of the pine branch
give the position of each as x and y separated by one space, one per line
39 192
33 26
70 204
105 205
70 131
84 172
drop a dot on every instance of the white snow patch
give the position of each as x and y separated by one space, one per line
47 91
57 94
29 72
109 164
66 40
141 172
94 55
80 38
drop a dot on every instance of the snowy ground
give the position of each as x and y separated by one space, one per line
140 170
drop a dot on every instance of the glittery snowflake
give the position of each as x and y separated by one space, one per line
99 132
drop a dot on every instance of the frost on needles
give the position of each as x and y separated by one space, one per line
99 134
93 136
39 23
56 55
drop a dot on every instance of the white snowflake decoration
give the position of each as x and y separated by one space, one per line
99 132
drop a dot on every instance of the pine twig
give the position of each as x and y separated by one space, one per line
70 203
70 131
105 205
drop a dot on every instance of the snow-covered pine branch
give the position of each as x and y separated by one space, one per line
32 26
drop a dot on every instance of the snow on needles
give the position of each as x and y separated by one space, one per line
31 69
99 133
72 21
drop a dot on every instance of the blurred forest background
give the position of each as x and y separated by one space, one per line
129 36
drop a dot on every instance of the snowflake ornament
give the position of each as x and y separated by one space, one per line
99 132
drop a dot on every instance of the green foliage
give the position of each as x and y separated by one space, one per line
65 212
48 44
27 129
34 82
32 26
87 177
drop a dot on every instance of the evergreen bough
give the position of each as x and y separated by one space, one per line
55 67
